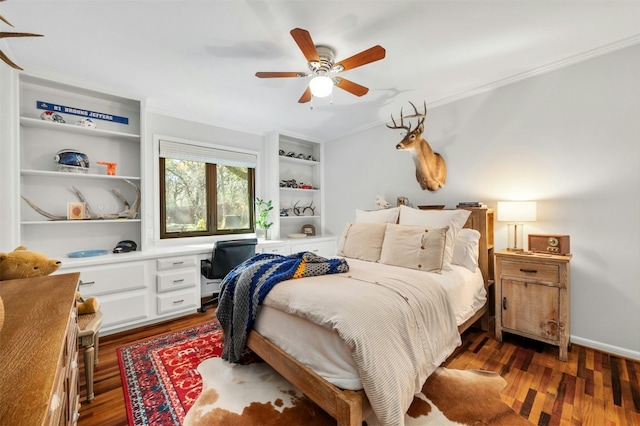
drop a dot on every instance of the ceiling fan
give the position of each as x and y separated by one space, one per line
323 67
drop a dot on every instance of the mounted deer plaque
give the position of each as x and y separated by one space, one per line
431 170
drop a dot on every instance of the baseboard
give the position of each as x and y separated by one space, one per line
603 347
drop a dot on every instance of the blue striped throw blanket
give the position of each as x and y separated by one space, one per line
243 290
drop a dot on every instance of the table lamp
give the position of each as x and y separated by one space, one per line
516 212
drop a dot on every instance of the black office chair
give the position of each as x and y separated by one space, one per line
226 255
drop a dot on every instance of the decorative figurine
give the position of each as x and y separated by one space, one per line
111 167
52 116
86 122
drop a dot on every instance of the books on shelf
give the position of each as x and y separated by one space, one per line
467 204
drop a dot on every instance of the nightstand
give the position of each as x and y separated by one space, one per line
532 297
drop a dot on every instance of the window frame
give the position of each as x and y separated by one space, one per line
212 213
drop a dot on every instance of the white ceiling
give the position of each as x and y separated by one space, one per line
197 59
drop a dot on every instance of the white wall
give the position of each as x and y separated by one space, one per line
569 139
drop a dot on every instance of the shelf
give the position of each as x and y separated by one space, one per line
77 222
47 173
71 128
298 189
300 161
299 217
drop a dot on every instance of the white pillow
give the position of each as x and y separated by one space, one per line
378 216
454 219
362 241
415 247
466 249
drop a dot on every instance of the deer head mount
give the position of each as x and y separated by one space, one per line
431 170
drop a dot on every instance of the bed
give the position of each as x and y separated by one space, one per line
318 360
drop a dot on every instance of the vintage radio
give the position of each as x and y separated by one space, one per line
549 244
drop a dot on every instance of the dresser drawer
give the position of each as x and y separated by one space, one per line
115 278
176 301
539 272
57 405
169 281
175 262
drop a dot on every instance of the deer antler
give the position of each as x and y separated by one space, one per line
3 56
402 117
130 212
401 126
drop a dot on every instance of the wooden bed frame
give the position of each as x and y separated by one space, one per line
352 407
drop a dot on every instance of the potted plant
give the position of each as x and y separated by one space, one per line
264 209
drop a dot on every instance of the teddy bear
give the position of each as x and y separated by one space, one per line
86 306
23 263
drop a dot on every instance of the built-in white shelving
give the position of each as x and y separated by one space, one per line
111 140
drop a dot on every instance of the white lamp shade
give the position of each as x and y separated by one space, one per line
517 211
321 86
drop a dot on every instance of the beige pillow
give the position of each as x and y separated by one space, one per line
454 219
377 216
362 241
415 247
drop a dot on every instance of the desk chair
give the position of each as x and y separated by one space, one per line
226 255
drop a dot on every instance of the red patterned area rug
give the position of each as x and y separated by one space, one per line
180 379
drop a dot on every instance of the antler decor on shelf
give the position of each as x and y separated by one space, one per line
130 211
3 34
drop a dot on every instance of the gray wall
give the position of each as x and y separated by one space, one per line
569 139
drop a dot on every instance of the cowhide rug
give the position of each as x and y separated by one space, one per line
255 394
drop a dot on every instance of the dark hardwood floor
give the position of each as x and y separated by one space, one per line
592 388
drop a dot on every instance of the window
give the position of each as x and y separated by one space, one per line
205 191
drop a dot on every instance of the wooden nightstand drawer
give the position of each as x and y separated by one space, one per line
538 272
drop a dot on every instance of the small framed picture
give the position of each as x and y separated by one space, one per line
309 230
75 211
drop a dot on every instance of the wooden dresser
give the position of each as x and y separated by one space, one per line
39 351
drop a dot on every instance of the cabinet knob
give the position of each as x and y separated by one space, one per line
529 271
504 303
56 402
86 283
175 302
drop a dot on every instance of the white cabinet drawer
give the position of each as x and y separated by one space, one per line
124 308
283 249
113 278
181 278
176 301
321 248
175 262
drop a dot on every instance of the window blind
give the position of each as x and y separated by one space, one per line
204 154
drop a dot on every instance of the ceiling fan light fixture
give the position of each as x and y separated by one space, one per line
321 86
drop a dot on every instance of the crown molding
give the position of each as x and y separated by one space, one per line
570 60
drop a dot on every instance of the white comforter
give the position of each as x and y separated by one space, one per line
399 326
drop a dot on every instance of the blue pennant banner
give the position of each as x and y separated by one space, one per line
81 112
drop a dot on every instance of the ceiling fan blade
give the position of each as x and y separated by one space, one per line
363 58
279 74
306 96
350 86
305 43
